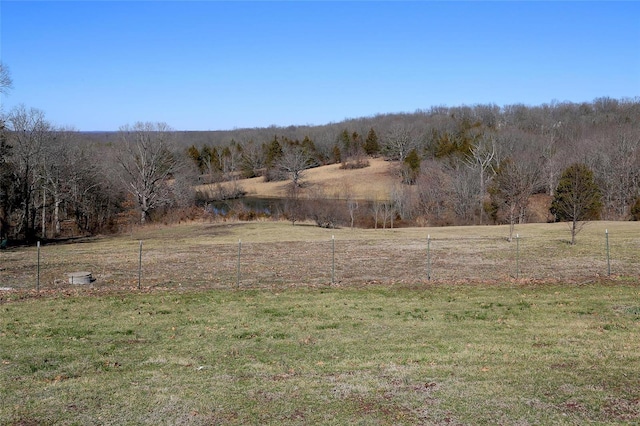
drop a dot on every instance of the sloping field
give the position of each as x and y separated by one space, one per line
369 183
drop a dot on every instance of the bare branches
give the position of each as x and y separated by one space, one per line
6 83
147 163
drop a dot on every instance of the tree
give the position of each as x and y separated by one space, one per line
147 164
293 162
514 183
411 167
399 142
434 192
577 198
618 171
371 144
7 186
481 158
252 160
29 134
6 82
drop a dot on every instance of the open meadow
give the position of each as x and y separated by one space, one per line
532 331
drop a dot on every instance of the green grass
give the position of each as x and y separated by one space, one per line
392 354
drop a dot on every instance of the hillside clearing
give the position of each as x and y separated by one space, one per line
369 183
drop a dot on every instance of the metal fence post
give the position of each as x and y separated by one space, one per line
517 256
140 265
428 257
333 259
606 233
239 251
38 279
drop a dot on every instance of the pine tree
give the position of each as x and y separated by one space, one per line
371 145
411 167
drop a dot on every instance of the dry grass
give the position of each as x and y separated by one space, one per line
369 183
277 254
382 346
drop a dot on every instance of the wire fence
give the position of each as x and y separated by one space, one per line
404 259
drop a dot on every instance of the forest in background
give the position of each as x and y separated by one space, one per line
476 164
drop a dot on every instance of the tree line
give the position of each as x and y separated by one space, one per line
455 165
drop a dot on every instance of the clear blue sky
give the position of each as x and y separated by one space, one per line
209 65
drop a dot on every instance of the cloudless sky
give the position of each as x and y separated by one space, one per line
212 65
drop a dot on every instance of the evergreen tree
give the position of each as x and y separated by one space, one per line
371 145
577 199
411 167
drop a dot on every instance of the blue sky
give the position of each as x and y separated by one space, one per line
210 65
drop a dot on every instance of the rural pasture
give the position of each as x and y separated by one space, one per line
276 254
526 332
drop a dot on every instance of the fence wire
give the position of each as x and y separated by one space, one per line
281 264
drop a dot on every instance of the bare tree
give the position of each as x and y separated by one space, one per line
6 82
252 159
465 188
481 159
618 171
293 163
147 163
399 142
434 192
403 201
29 133
352 206
512 187
388 213
376 210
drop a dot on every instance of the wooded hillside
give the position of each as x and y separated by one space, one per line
476 164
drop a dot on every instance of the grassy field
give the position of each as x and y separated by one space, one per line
276 255
369 183
559 344
465 354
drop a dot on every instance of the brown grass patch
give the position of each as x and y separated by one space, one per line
369 183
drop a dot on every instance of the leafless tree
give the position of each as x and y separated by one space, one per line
514 183
376 210
147 163
29 134
352 206
465 192
402 198
388 210
398 142
618 170
434 192
481 159
6 82
252 158
293 163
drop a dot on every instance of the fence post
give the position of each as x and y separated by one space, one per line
606 233
239 251
140 265
517 256
38 279
428 257
333 259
